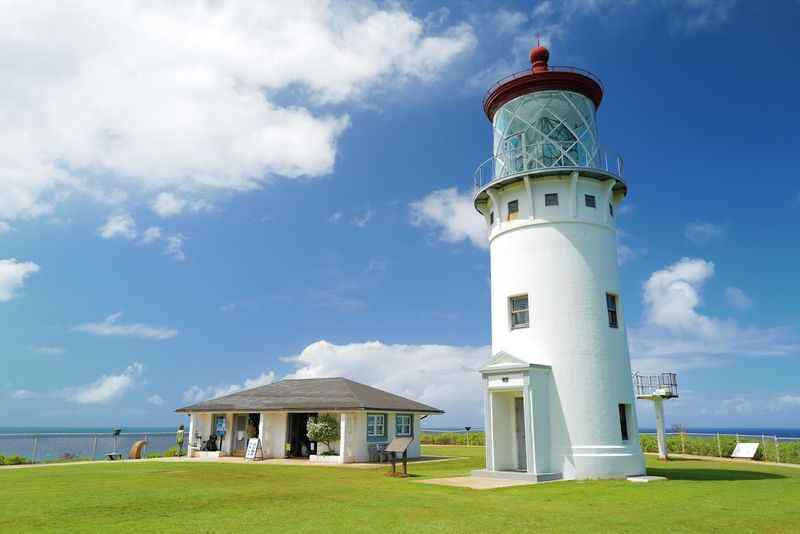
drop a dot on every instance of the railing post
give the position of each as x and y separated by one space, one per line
719 446
35 448
94 447
777 450
764 448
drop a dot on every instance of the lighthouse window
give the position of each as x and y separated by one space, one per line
611 303
591 202
519 311
551 199
623 421
611 209
513 210
491 218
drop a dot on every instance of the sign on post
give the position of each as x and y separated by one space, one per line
745 450
254 450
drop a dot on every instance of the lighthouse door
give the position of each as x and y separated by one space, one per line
519 420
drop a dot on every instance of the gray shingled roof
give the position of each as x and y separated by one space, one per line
312 395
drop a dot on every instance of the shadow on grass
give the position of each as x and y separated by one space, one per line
677 473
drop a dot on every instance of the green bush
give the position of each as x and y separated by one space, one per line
453 438
13 460
172 451
787 451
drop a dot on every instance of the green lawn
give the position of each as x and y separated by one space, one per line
206 497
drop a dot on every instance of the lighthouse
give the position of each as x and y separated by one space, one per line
558 393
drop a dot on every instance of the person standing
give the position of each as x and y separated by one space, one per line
179 439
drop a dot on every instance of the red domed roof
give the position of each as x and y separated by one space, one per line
542 77
539 57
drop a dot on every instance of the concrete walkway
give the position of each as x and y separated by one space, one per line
477 483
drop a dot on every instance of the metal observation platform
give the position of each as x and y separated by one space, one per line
663 385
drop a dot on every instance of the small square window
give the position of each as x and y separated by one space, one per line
513 210
491 218
403 425
519 311
591 202
611 209
611 304
551 199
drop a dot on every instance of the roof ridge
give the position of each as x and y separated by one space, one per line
347 383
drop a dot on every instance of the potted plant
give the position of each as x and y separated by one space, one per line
323 429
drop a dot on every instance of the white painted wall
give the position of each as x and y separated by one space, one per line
566 264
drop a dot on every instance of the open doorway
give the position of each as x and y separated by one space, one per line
297 435
245 426
508 431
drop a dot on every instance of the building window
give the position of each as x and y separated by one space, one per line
591 202
611 209
376 425
611 304
403 424
551 199
623 421
491 218
513 210
519 311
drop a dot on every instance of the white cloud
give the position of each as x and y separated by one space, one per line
197 393
703 232
168 205
13 274
174 247
335 217
112 327
363 220
628 247
676 335
120 225
155 400
695 15
23 394
151 235
192 98
737 298
452 214
735 406
48 350
4 227
506 21
443 376
106 388
783 402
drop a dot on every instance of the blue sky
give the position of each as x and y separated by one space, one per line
198 199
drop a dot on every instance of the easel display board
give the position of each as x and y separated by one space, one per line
254 450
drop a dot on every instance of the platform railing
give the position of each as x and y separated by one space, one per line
663 384
545 155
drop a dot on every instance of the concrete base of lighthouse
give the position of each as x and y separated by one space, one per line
527 438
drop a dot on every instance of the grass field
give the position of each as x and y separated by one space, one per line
206 497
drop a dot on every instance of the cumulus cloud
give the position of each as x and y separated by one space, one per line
735 406
675 334
105 389
363 220
783 402
118 226
192 99
13 274
451 214
444 376
198 393
111 326
737 298
155 400
23 394
700 233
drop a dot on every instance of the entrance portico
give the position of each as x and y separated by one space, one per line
516 409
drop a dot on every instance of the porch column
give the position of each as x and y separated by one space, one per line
261 430
190 438
530 443
488 422
343 437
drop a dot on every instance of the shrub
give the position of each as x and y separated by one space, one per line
14 460
323 429
172 451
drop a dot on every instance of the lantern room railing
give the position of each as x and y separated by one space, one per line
662 385
527 72
545 155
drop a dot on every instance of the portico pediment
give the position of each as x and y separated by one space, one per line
503 362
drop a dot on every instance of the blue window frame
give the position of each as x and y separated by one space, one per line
376 427
404 425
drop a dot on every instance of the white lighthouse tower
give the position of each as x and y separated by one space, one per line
559 399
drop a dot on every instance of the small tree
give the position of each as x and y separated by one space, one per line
323 429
